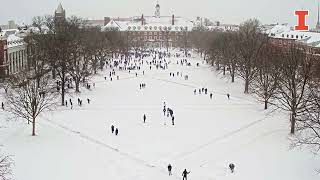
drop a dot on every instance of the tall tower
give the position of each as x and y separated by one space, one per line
157 13
318 21
59 14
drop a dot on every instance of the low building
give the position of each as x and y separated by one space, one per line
13 53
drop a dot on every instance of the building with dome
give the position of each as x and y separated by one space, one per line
152 31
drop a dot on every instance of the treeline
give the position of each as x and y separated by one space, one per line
60 53
284 76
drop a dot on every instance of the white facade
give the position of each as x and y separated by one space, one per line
17 54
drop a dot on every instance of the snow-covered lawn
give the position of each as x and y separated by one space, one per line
208 133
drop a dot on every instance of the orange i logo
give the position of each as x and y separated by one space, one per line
302 20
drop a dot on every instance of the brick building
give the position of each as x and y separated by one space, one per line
152 31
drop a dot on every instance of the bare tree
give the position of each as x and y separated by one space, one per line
308 123
6 164
296 73
265 83
27 98
250 40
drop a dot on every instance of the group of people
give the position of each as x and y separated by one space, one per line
114 130
205 91
142 85
169 112
185 172
79 102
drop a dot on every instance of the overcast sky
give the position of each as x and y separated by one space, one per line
226 11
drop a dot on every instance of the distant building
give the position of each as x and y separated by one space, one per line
13 57
12 25
59 15
318 21
152 31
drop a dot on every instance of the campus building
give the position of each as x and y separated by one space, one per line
13 57
152 31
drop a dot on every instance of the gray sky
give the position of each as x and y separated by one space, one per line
227 11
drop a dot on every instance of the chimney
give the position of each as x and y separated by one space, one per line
106 20
173 20
142 20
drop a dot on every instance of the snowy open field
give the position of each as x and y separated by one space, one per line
208 134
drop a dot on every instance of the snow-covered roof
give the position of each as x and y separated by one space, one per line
13 40
151 23
285 32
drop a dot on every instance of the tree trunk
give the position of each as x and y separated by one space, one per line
77 82
232 75
265 104
293 123
33 126
53 73
246 86
62 88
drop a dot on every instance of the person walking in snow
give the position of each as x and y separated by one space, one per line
210 95
185 174
116 132
172 120
164 111
2 105
112 129
195 92
169 169
231 166
88 100
144 118
228 95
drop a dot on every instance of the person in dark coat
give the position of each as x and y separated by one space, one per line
210 95
228 95
169 169
2 105
112 128
231 166
144 118
185 174
172 120
117 131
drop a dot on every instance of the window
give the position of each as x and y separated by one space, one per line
291 36
145 33
150 37
150 33
160 33
146 38
282 35
297 36
160 37
155 37
155 33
